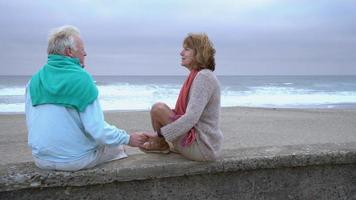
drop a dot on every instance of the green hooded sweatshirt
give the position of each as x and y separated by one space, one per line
63 81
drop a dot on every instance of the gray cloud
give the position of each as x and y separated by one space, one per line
135 37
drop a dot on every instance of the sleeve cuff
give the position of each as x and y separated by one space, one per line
127 139
167 134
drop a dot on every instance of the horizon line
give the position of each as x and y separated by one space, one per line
186 75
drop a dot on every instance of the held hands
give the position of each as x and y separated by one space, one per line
137 139
154 144
150 134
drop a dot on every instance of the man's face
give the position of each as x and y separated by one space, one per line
79 52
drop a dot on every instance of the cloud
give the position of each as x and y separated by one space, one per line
248 35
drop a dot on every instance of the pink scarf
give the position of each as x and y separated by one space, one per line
181 106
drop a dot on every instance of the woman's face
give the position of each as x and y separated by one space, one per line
187 57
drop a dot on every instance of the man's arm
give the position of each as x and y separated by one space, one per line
102 132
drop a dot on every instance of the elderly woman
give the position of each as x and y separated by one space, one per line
192 128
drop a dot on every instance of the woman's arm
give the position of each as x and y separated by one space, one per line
200 94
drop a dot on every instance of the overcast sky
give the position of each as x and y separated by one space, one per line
132 37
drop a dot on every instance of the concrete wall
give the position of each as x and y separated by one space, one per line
289 172
314 182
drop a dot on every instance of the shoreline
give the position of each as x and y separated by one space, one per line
349 106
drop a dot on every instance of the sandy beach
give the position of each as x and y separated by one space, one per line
242 128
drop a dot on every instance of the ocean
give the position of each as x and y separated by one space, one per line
133 93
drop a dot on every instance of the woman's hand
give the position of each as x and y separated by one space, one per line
137 139
154 143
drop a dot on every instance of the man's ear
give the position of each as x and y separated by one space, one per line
68 52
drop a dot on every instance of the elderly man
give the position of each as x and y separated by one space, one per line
66 126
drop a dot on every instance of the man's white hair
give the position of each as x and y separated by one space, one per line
61 38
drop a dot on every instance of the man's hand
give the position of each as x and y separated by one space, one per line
150 134
137 139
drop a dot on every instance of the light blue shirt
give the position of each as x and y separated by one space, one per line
60 134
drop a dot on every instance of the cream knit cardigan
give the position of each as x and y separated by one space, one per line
202 113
